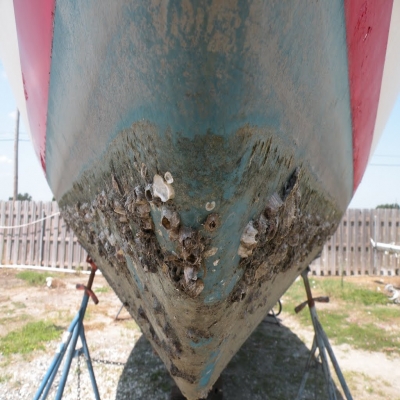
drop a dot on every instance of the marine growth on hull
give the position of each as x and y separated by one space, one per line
169 274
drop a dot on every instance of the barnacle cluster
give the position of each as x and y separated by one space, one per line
280 238
129 214
129 210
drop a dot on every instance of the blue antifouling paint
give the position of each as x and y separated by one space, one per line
209 369
133 272
202 342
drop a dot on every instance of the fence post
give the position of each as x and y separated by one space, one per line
41 239
56 219
332 258
24 232
9 231
2 223
32 228
363 235
70 249
62 244
348 243
47 234
340 254
17 231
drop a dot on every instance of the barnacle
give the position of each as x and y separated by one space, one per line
162 189
168 177
248 240
212 222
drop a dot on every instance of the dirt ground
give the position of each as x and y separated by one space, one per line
270 364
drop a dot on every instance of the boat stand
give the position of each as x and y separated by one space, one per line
322 343
68 345
275 312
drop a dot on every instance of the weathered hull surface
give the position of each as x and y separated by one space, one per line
203 151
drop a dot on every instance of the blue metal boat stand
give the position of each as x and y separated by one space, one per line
68 345
274 313
119 311
322 343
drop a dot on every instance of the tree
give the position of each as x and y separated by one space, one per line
394 205
22 197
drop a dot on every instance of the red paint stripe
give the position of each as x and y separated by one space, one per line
367 29
34 22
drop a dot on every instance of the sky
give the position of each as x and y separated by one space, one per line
31 177
380 184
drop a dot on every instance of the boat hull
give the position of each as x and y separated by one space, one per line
202 151
198 289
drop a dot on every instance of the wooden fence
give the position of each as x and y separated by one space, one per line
48 243
349 250
45 243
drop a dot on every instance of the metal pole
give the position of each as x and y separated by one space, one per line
307 369
68 346
16 140
314 318
71 349
119 311
335 364
89 363
50 374
324 359
321 341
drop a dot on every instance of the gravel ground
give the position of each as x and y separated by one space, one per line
270 364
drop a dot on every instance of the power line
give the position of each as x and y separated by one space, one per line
4 133
11 140
388 155
384 165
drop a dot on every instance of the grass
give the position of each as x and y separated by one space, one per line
359 380
33 278
132 325
386 314
103 289
18 304
14 318
366 336
336 290
78 270
358 316
30 337
4 378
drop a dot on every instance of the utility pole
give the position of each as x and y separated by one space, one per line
16 140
